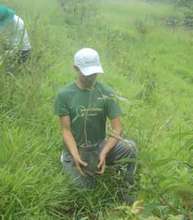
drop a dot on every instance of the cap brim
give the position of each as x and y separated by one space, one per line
87 71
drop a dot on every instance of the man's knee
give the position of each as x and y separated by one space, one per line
131 146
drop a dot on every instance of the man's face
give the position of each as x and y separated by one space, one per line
88 81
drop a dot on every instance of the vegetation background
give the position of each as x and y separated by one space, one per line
146 48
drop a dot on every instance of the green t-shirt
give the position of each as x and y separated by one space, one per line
88 111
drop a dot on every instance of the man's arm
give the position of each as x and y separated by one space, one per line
111 142
70 142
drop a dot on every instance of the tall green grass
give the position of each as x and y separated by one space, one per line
148 64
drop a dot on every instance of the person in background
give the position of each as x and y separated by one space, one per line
83 107
14 40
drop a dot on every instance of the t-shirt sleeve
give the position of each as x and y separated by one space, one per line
112 106
60 105
21 39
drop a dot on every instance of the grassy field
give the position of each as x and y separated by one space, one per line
149 64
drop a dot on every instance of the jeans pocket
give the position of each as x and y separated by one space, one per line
65 157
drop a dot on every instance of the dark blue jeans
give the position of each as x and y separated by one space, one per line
124 150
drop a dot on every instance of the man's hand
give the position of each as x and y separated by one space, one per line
79 164
101 164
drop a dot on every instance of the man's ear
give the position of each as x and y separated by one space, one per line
76 68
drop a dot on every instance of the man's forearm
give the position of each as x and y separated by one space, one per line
72 147
110 143
71 144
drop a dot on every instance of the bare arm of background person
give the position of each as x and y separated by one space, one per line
70 143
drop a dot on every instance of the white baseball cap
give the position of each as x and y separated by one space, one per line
88 61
